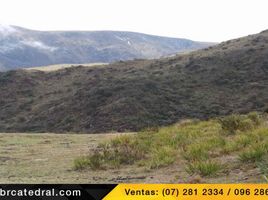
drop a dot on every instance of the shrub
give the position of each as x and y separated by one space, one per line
243 141
124 149
233 123
94 161
204 168
230 147
255 117
81 163
121 150
196 153
230 123
246 125
215 142
252 155
162 157
263 166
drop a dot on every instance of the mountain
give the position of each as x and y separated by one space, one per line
231 77
21 47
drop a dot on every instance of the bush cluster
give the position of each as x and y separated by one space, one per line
233 123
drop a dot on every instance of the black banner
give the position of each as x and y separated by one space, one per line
55 191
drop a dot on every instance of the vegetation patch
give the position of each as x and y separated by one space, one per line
82 162
233 123
204 168
200 146
254 154
162 157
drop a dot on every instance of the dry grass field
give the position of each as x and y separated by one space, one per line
51 68
44 158
48 158
190 152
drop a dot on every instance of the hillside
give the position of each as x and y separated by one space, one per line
132 95
20 47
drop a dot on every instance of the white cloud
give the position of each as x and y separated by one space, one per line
206 20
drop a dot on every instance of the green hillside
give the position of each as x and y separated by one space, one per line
132 95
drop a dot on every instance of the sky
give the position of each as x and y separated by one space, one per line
200 20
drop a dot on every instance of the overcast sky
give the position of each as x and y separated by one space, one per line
202 20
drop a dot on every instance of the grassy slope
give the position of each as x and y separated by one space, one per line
230 77
214 150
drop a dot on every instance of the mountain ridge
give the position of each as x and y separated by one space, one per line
132 95
20 47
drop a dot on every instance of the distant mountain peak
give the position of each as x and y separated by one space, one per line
20 47
7 29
